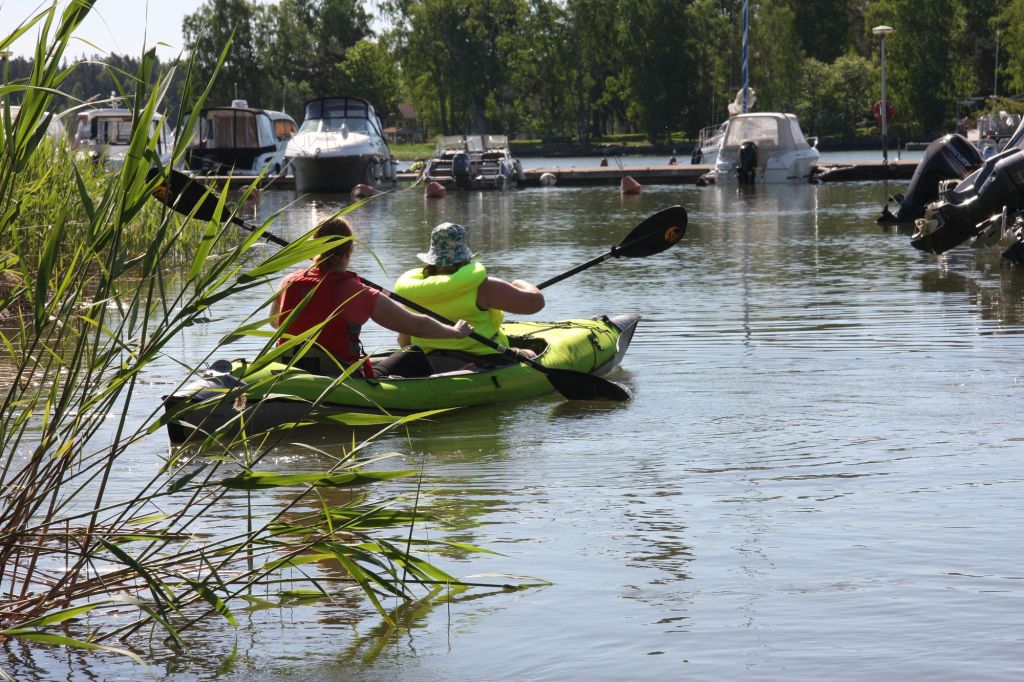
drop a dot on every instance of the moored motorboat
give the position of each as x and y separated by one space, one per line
239 139
473 162
103 135
764 148
339 145
258 396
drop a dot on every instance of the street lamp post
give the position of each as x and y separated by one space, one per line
882 31
995 79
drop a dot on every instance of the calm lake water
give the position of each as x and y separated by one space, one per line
819 476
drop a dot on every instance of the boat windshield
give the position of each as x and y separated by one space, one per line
335 125
761 130
798 135
340 114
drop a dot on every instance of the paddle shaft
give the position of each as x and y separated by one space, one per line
581 267
656 233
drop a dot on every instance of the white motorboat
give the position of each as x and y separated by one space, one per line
239 139
339 145
474 162
992 133
764 148
103 136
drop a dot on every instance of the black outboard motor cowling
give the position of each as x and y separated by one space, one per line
460 169
746 169
998 184
950 157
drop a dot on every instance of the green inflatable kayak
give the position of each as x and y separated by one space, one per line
257 396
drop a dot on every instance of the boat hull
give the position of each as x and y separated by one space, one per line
262 396
340 173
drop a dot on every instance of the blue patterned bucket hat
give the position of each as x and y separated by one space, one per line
447 246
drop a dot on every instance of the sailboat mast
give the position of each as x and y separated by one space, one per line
746 43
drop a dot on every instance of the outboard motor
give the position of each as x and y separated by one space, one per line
959 214
460 169
746 169
950 157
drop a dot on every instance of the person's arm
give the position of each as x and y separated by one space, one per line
519 297
397 318
275 311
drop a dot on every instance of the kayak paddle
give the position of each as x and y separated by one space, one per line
184 195
654 235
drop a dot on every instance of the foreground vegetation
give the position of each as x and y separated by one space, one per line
98 279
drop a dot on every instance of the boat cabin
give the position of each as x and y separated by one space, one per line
239 139
104 135
765 148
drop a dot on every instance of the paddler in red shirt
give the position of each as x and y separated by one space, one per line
338 296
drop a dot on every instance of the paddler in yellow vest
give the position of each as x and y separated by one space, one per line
458 287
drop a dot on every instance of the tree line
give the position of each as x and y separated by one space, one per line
584 69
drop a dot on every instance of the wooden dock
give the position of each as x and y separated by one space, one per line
576 176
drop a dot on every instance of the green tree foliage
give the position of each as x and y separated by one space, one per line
368 71
456 58
823 27
835 97
597 64
588 68
921 57
775 55
1010 22
283 53
220 23
659 65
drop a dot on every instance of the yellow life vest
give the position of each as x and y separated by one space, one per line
454 297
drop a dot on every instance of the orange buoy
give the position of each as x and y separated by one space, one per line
629 186
435 190
363 191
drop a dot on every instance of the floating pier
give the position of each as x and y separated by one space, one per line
577 176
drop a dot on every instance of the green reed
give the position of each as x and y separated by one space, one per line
97 280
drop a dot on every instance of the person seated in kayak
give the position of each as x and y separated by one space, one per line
455 285
330 291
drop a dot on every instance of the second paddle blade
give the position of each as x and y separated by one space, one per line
582 386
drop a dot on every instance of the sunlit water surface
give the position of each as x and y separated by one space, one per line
818 477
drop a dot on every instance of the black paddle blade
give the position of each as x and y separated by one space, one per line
582 386
184 195
657 233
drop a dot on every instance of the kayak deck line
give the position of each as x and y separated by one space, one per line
230 395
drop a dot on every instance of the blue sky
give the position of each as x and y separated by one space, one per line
121 26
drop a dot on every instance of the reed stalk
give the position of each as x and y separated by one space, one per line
97 280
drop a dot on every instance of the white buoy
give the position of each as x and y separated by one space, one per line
548 179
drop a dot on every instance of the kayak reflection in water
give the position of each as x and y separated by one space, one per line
330 291
455 285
